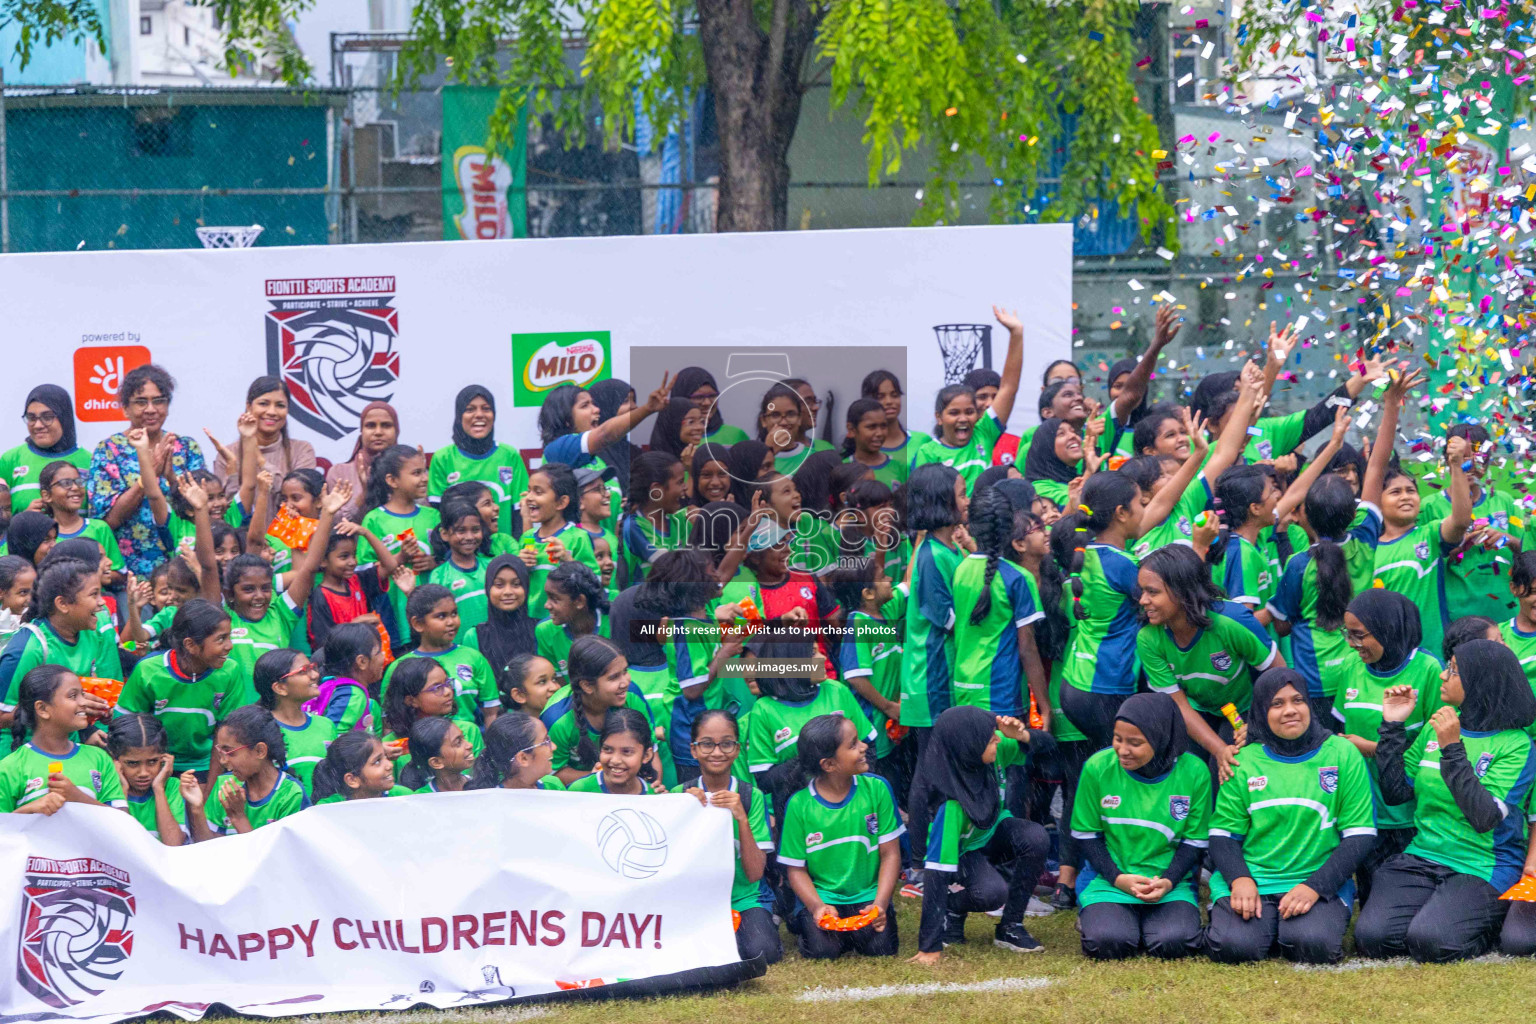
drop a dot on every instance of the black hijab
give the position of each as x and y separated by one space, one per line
772 644
1042 462
687 381
1162 723
504 635
476 446
746 461
1496 693
57 400
1020 493
669 424
27 532
951 769
608 395
1264 689
1394 621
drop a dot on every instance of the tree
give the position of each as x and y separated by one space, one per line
51 21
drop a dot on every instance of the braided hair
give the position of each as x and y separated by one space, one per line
1103 495
575 580
425 742
130 732
1236 490
505 738
995 525
252 724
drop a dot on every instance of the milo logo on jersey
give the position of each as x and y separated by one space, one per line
812 838
1178 807
1257 783
75 929
1109 802
1328 778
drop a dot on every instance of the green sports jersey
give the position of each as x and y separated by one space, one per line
189 708
774 725
928 646
143 807
22 466
1504 763
501 469
1477 580
1101 655
789 462
160 621
1273 436
971 459
1061 726
839 844
24 775
892 472
468 589
1142 821
94 653
274 630
554 641
872 650
596 783
1053 491
745 893
1318 653
287 797
390 527
1359 702
1218 665
952 833
307 745
904 452
813 546
282 554
472 735
337 798
1179 527
726 434
550 784
474 684
98 531
1524 646
1248 574
988 673
1290 812
578 545
179 529
567 730
642 542
1413 566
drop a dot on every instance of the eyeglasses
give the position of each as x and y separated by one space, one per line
1356 636
42 419
227 751
703 396
73 483
710 746
438 688
545 742
311 669
162 402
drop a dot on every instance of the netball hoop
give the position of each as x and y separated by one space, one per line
959 345
229 237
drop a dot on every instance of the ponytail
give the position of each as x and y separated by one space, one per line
346 755
387 464
1330 506
995 526
425 742
128 732
505 738
40 684
619 721
252 724
1104 494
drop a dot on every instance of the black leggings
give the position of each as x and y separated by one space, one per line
1115 931
1316 937
1389 843
1429 912
758 936
1017 847
1519 935
817 944
1073 754
1092 713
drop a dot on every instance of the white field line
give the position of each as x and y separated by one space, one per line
844 995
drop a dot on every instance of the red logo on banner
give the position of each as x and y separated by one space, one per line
99 374
75 929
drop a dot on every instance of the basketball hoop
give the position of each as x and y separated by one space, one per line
959 344
229 237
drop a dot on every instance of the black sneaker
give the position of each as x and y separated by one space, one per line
1064 898
954 928
1016 939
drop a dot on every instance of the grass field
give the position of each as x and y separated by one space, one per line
1059 985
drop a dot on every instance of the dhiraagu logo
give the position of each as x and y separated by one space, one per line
542 362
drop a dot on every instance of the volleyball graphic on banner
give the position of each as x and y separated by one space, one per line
75 929
632 843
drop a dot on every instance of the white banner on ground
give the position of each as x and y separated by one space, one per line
450 900
414 322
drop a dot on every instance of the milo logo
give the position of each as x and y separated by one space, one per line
542 362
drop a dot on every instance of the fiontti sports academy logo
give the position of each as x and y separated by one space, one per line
335 342
75 929
632 843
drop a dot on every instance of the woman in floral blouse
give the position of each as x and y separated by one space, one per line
116 496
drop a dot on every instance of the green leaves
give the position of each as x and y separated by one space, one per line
51 21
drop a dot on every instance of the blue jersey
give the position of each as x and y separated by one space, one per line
987 669
928 642
1101 657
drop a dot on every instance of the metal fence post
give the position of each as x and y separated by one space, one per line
5 180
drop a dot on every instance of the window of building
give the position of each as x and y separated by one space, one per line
146 25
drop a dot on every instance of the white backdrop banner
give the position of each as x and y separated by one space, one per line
449 900
412 323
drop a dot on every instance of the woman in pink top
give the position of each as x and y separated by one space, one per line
378 430
267 400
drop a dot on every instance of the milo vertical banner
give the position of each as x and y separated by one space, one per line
542 362
484 195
